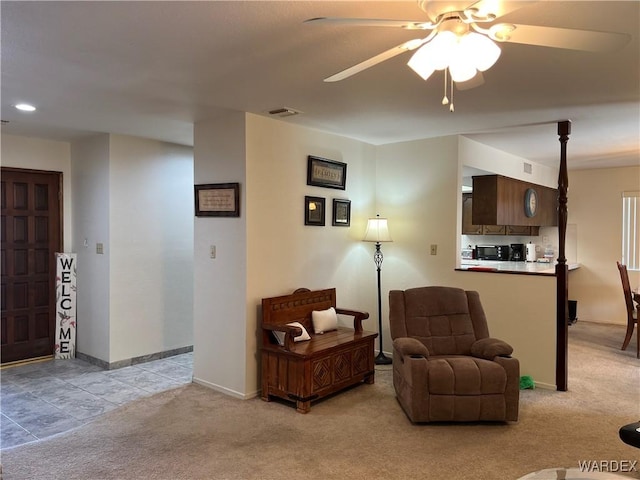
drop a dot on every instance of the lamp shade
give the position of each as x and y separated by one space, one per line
377 231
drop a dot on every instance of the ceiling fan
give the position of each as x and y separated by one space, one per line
463 40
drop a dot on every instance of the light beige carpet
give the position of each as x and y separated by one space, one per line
195 433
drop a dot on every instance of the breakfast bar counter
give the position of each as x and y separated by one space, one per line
526 268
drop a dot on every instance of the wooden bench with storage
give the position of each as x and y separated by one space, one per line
306 370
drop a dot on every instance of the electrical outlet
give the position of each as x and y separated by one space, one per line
212 251
99 248
434 249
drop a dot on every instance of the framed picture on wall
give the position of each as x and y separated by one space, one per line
341 213
326 173
314 211
217 200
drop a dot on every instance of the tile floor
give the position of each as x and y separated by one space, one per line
41 399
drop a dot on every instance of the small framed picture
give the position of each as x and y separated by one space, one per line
217 200
341 213
314 211
326 173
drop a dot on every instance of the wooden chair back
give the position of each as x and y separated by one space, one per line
632 314
626 289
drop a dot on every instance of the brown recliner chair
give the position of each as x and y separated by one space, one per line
446 368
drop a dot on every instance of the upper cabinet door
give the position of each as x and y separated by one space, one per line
468 228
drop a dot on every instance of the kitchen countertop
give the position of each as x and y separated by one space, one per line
528 268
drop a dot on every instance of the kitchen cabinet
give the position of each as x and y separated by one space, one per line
494 229
522 230
469 228
500 200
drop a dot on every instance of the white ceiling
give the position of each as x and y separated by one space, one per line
152 69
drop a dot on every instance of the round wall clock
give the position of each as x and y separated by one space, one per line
530 202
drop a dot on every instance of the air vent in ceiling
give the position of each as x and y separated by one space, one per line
528 168
284 112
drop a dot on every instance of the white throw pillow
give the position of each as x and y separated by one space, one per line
300 338
324 320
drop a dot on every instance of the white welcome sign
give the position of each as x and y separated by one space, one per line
65 344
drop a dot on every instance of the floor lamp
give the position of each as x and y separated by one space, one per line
378 231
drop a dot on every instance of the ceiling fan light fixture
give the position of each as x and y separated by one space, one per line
421 62
479 50
442 48
434 55
460 70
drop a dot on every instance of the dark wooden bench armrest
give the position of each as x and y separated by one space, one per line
290 332
358 317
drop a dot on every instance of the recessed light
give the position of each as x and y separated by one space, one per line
25 107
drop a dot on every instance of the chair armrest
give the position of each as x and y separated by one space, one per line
489 348
358 317
407 347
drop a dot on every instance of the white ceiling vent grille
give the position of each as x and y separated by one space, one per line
528 168
284 112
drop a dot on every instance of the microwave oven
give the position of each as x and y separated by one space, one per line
492 252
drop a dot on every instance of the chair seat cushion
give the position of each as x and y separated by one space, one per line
462 375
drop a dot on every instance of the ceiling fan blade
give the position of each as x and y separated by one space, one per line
498 7
587 40
381 57
371 22
476 81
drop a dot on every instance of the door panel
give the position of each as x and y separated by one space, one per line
31 235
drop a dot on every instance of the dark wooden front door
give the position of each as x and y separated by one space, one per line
31 235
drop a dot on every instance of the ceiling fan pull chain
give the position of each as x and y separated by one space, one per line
451 109
445 100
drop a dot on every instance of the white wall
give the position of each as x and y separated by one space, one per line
284 254
49 155
135 196
595 207
91 184
269 251
151 246
484 157
220 305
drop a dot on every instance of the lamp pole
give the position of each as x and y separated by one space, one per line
381 359
378 231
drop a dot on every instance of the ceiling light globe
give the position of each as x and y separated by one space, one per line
461 72
461 68
442 48
420 62
480 50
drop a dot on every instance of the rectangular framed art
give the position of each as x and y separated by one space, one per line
217 200
314 211
326 173
341 213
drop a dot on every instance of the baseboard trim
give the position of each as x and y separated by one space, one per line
546 386
225 390
135 360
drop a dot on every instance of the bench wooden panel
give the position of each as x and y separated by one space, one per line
329 362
